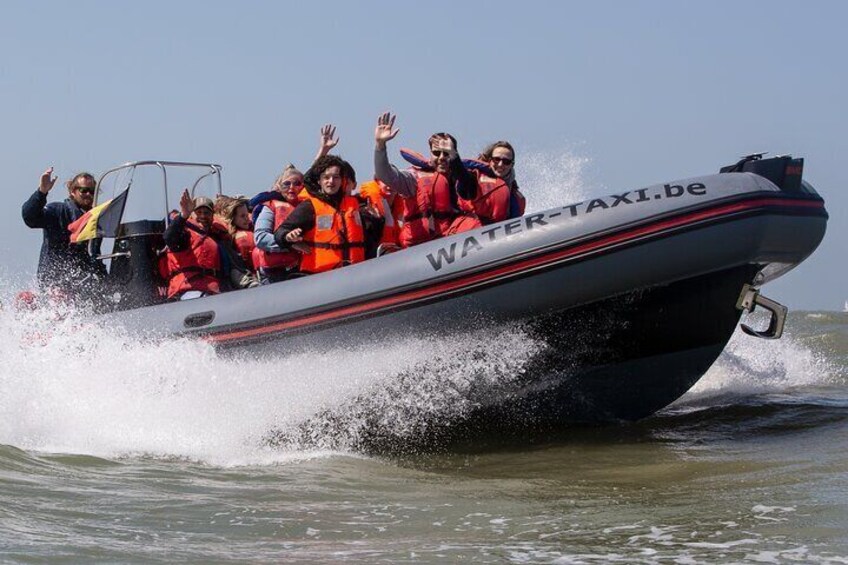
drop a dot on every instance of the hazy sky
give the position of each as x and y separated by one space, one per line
635 92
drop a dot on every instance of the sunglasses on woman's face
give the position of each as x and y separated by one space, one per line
502 160
291 183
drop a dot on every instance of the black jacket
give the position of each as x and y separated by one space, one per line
61 263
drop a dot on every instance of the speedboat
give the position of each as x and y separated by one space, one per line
634 295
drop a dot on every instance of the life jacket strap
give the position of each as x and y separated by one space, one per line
321 245
195 272
437 215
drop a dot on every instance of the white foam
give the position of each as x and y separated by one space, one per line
750 365
88 389
549 179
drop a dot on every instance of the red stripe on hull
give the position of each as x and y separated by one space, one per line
518 266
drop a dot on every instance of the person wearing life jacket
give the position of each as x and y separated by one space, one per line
499 198
326 227
385 205
240 229
274 263
372 221
195 264
430 195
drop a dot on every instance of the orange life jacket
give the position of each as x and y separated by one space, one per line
391 209
283 259
244 244
196 268
337 237
492 202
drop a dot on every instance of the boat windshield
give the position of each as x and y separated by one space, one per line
156 186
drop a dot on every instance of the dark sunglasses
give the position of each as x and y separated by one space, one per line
291 183
85 189
504 160
439 153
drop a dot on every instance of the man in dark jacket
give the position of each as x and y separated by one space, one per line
63 266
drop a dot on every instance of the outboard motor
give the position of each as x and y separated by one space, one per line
134 274
784 171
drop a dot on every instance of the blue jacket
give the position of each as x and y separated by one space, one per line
60 264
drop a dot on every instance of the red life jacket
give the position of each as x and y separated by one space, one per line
492 202
196 268
430 212
284 259
244 244
380 198
337 237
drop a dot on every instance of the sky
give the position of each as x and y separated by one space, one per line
635 93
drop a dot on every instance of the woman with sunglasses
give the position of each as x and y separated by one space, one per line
274 263
63 266
499 197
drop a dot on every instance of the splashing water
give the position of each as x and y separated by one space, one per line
89 389
549 179
750 366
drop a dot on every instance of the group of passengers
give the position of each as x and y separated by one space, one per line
306 223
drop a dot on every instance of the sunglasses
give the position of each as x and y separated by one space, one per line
503 160
439 153
291 183
86 189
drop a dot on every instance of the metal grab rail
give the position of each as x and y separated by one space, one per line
214 169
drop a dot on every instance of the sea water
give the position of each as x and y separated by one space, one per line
120 451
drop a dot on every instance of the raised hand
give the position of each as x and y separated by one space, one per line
327 142
186 204
47 181
384 132
327 134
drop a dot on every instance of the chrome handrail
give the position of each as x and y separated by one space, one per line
215 169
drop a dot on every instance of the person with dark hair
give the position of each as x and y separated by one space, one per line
499 198
326 227
431 191
372 219
69 268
